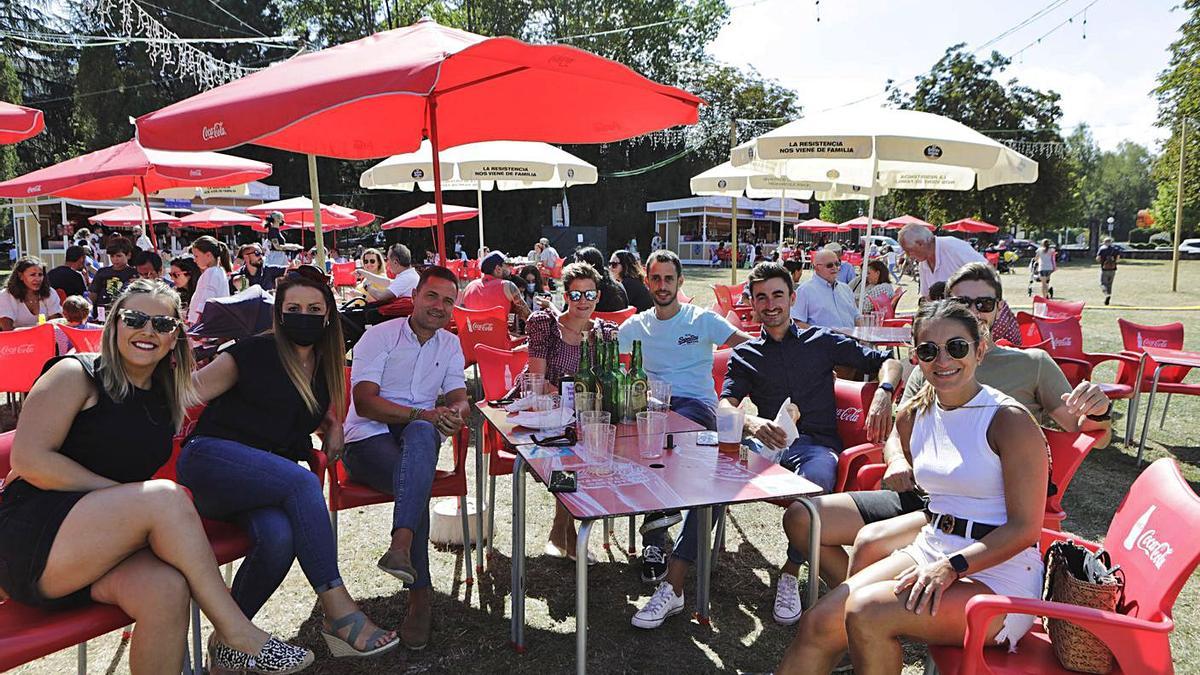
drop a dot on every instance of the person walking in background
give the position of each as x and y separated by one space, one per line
1107 256
141 241
212 257
1047 262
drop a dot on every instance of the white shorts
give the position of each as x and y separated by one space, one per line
1020 576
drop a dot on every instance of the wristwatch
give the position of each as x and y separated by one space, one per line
1106 416
888 387
959 563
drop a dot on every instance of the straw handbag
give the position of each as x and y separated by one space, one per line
1076 576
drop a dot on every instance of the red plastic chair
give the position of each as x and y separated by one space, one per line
1170 381
896 301
745 325
62 295
555 271
22 355
1067 452
82 339
720 368
1065 338
729 299
27 633
618 317
1045 308
1029 331
472 269
498 372
993 259
853 400
683 298
343 275
1152 537
482 327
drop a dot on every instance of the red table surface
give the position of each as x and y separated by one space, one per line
687 476
518 435
879 335
1173 357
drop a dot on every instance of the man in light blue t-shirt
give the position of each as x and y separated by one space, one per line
677 347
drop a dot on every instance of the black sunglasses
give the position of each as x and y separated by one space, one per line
983 304
956 347
614 263
310 272
161 323
576 296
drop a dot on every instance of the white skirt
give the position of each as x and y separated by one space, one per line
1020 576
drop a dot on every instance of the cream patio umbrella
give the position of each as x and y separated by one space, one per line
726 180
894 149
487 165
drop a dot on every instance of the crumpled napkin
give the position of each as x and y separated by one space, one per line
524 403
783 419
547 419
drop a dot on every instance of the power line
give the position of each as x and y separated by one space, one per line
192 18
1055 4
65 39
1068 20
629 29
235 17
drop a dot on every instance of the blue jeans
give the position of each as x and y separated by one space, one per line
402 463
809 460
704 414
277 501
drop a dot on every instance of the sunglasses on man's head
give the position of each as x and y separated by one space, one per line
589 295
956 347
160 323
310 272
983 304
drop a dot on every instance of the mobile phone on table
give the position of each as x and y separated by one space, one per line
706 438
562 481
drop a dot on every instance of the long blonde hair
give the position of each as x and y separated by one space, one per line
173 373
330 349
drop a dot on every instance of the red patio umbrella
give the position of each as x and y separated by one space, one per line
216 218
860 223
381 95
897 223
115 172
426 215
361 218
18 123
970 225
299 211
130 215
818 225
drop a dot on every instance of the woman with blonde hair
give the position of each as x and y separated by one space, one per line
212 257
80 518
267 394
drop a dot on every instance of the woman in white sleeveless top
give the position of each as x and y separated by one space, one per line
983 462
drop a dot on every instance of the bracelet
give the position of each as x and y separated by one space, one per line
1103 417
413 414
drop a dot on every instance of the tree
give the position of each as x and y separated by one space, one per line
967 89
1178 94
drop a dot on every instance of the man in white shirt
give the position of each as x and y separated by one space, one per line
395 427
823 300
549 255
404 281
939 257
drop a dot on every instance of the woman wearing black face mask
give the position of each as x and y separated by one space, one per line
267 395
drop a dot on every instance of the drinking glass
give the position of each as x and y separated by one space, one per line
599 439
652 432
532 385
729 428
658 397
585 402
587 417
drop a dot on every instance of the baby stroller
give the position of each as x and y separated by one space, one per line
230 319
1033 276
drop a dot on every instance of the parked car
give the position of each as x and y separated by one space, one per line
880 241
1189 246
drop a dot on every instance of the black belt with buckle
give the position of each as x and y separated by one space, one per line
958 526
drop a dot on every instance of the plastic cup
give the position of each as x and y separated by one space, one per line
532 385
729 428
658 398
585 402
587 417
598 439
652 432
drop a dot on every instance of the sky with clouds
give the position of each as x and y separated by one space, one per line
1104 79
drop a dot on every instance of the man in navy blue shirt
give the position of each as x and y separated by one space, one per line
786 361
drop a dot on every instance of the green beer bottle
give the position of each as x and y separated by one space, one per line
609 385
585 376
639 383
622 388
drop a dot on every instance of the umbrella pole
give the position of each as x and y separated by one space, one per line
315 189
440 236
733 256
782 201
479 207
862 285
146 205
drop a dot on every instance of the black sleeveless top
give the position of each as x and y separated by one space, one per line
263 409
125 441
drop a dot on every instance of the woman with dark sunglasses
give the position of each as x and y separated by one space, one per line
81 519
612 294
625 267
555 348
982 460
267 395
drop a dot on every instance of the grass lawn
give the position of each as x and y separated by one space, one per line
472 622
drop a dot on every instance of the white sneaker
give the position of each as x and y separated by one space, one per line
662 604
787 600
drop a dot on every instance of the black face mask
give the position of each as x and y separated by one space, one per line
303 329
